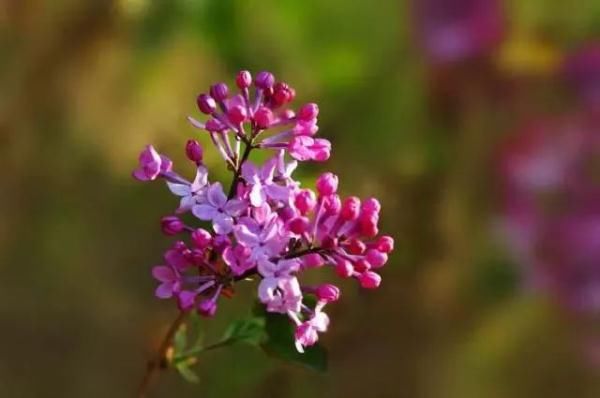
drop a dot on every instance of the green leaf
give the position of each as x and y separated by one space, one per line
250 330
187 373
180 339
279 342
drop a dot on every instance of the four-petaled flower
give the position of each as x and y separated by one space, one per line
218 209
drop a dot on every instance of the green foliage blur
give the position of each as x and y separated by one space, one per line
85 84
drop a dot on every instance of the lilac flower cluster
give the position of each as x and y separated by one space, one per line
551 207
266 225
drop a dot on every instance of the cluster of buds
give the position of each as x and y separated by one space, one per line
266 226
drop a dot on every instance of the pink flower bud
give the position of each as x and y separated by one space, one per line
242 252
243 79
263 117
186 300
282 94
362 265
308 112
219 91
237 114
368 224
264 80
220 242
327 184
385 244
206 104
299 225
343 268
328 293
201 238
356 246
369 280
376 258
171 225
332 205
312 260
350 208
305 201
207 307
179 246
193 150
329 242
371 205
286 213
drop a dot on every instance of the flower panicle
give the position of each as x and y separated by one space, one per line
267 226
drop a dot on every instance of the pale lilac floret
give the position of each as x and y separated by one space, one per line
282 295
191 193
170 281
238 259
264 240
218 209
151 164
307 333
261 183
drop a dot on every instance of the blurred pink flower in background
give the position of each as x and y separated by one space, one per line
452 31
582 73
551 207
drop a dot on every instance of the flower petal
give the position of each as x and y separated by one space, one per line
163 273
179 189
222 224
245 236
257 195
164 290
204 212
215 195
235 207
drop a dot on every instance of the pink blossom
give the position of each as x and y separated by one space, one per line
151 164
307 333
307 148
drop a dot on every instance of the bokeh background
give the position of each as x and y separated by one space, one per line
447 110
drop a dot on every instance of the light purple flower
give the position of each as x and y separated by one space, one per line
282 295
307 148
218 209
307 333
261 183
151 164
170 281
238 259
264 239
191 194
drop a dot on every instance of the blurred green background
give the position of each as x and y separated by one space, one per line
85 84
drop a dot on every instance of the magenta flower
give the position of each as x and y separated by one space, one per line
170 281
307 333
307 148
238 259
151 164
218 209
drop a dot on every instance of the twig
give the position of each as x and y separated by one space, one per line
159 362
